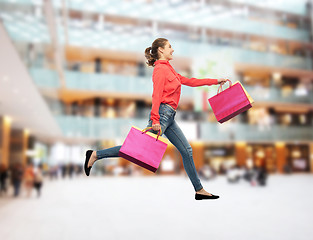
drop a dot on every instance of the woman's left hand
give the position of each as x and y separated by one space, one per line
222 81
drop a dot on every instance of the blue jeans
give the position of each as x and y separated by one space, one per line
175 135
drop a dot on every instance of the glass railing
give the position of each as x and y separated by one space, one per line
190 49
45 78
291 6
100 128
235 20
245 132
108 128
137 42
108 82
223 17
274 94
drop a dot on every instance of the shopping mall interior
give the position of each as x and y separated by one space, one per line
73 77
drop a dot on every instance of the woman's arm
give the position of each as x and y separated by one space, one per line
195 82
158 78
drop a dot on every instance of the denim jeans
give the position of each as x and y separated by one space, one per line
175 135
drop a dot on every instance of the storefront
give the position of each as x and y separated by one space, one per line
262 155
298 157
219 157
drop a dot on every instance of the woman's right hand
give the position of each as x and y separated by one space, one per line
221 81
156 127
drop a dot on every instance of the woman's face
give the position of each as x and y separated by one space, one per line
166 52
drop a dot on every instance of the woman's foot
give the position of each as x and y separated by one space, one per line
92 158
203 192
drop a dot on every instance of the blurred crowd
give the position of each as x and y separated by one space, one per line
255 176
18 180
18 177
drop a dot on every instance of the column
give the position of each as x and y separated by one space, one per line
5 127
280 156
240 152
198 153
18 146
311 157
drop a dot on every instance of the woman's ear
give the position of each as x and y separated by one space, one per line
160 50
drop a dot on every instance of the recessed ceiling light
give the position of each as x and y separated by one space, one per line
16 91
5 78
7 119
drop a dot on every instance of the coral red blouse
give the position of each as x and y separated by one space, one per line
167 87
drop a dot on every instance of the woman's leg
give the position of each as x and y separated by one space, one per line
178 139
105 153
109 152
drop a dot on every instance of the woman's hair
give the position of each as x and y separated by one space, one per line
151 53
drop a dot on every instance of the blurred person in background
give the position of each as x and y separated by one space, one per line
262 176
71 170
3 178
64 170
166 94
233 174
29 177
287 168
17 172
207 172
38 179
53 172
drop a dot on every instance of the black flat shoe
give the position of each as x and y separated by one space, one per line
86 168
201 196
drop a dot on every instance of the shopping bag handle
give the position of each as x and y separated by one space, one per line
221 86
149 128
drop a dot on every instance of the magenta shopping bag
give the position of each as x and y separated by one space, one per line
230 102
144 148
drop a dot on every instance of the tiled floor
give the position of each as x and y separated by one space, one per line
161 208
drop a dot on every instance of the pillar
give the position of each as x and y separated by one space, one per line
311 157
198 153
280 155
5 128
241 154
18 146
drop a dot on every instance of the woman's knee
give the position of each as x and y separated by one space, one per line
189 150
186 152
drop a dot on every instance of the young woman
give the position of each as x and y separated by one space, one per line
166 93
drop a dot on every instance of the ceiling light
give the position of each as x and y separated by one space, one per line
5 78
16 91
7 119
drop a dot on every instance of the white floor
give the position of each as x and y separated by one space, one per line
161 208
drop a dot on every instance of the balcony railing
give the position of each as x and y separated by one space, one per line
45 78
224 18
245 132
34 30
109 128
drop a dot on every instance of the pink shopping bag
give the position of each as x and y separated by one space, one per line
144 148
230 102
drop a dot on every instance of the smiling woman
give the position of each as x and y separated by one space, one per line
165 98
160 50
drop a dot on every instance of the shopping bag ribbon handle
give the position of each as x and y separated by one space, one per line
149 128
221 86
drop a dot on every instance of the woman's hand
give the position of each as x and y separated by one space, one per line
156 127
222 81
